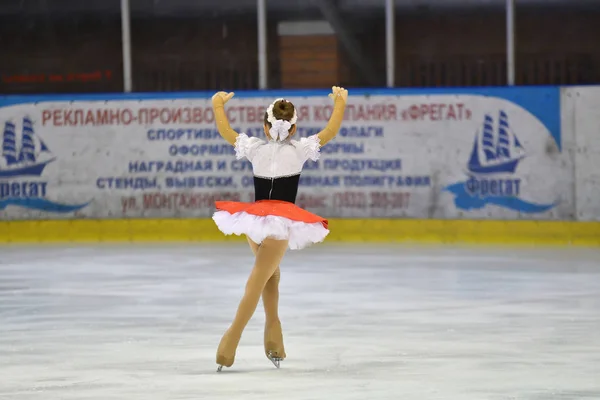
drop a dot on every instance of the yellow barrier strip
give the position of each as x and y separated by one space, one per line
342 230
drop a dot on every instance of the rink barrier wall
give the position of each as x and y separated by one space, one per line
430 181
526 233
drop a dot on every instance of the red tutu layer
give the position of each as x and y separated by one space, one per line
271 219
277 208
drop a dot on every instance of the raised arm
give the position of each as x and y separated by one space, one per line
339 96
218 102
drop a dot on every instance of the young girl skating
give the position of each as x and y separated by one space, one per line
272 223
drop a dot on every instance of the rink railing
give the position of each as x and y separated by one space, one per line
490 165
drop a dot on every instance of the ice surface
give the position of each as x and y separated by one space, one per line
360 322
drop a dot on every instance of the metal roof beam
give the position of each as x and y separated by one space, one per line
331 13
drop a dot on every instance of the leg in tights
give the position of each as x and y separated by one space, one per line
268 257
273 333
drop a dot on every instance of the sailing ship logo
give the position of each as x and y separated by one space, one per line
491 168
24 162
26 158
495 154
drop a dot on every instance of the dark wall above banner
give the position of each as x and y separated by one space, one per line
301 8
73 54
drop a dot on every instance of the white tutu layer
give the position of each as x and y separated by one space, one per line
298 234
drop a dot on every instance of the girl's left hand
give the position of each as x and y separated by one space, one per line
222 97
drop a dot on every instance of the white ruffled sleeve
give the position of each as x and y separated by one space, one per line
246 146
310 146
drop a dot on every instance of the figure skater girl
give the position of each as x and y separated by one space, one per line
272 223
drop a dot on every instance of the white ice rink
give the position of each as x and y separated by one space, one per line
360 322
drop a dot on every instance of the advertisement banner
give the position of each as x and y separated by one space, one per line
473 154
581 105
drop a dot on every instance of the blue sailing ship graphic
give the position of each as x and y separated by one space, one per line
24 162
491 168
495 153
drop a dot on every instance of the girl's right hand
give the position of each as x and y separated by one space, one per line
339 93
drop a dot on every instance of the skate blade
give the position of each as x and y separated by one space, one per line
219 368
275 360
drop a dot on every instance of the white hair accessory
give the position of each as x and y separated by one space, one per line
275 133
280 129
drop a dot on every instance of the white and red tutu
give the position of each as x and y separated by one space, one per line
275 219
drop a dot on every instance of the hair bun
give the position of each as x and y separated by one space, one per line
282 109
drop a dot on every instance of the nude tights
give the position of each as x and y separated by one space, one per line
263 281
